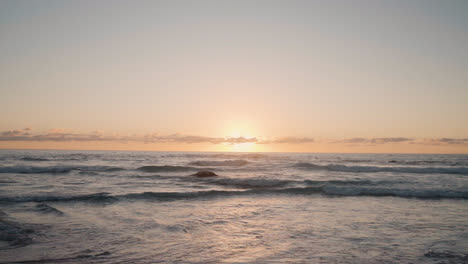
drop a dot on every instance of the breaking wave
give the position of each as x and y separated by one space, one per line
219 163
327 189
344 168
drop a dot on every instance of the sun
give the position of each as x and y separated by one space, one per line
240 147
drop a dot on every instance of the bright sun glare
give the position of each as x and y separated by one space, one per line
243 147
240 147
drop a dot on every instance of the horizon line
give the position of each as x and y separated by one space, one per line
207 151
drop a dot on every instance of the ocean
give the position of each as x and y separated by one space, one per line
61 206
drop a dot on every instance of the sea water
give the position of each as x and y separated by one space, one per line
147 207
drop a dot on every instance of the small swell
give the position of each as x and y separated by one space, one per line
56 260
448 255
55 169
256 183
325 189
219 163
246 155
183 195
7 181
33 159
395 192
249 183
47 209
95 197
14 233
165 168
429 162
366 169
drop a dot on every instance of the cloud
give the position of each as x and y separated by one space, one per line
389 140
15 133
52 135
60 135
353 141
237 140
374 141
444 141
177 138
287 140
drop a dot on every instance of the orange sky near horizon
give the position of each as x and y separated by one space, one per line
276 145
310 148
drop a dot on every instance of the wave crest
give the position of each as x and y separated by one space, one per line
219 163
364 169
327 189
94 197
55 169
249 183
165 168
47 209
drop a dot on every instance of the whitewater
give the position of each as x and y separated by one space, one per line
61 206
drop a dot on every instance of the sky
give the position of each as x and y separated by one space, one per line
301 76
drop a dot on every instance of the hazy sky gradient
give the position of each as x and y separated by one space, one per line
265 69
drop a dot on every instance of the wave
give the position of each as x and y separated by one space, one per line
357 160
33 159
357 182
456 258
57 260
344 168
429 162
14 233
55 169
327 190
246 155
219 163
166 168
94 197
259 183
249 183
7 181
396 192
47 209
324 190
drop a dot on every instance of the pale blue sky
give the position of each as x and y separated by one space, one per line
258 68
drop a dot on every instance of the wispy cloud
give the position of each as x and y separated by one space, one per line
444 141
54 135
373 141
287 140
59 135
357 141
177 138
